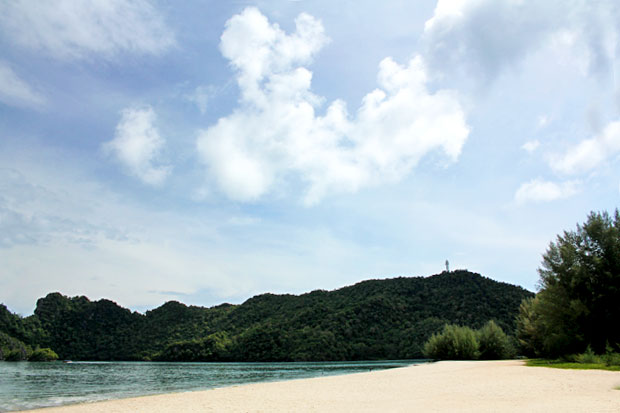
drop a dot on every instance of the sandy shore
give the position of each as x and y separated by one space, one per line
450 386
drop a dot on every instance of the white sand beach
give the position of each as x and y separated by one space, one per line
449 386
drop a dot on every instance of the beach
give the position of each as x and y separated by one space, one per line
447 386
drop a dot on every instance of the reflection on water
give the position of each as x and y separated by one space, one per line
30 385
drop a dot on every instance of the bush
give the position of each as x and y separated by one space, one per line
612 359
494 343
453 343
588 357
16 355
43 354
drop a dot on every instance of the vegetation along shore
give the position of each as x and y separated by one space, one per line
376 319
452 315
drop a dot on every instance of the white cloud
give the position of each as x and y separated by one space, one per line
483 37
531 146
137 145
69 30
275 134
538 190
258 49
14 91
590 153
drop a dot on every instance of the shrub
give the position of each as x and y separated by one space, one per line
43 354
588 357
611 358
16 355
453 343
494 343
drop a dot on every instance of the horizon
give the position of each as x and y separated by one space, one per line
206 152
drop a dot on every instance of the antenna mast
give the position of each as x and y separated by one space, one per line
447 266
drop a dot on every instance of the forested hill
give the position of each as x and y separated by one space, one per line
376 319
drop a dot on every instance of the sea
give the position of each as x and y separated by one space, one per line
29 385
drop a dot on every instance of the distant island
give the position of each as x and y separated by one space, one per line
374 319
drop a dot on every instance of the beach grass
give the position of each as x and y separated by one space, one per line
563 364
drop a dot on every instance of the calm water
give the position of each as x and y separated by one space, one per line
30 385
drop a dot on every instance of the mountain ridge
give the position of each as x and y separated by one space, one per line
372 319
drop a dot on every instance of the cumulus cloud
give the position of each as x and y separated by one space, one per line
538 190
482 37
69 30
275 133
16 92
137 145
590 153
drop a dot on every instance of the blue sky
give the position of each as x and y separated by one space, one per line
208 151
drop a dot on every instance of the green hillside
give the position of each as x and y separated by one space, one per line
376 319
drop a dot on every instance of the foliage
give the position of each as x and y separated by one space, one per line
43 354
577 363
214 347
83 330
27 330
453 343
462 343
375 319
530 331
588 357
580 288
12 349
494 343
583 361
609 358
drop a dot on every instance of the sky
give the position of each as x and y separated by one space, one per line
209 151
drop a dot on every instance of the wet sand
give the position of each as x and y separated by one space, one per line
447 386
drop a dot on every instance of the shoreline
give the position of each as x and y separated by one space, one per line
136 379
446 386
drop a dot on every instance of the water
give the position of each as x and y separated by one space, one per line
31 385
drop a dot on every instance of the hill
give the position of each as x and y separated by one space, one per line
375 319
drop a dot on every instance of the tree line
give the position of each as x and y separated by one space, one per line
374 319
452 315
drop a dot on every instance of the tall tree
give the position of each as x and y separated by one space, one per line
577 305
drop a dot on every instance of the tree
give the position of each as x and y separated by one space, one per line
577 305
529 332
